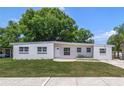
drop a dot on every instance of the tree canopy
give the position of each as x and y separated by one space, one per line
117 39
46 24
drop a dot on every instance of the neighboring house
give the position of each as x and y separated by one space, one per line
5 52
60 50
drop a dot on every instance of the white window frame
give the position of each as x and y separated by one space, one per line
23 50
42 50
66 51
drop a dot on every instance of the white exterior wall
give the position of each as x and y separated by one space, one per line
73 51
61 52
85 53
33 51
52 51
107 55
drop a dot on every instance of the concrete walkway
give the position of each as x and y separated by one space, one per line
63 81
116 62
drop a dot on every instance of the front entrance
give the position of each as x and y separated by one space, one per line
57 52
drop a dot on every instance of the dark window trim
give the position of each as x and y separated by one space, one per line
24 53
41 53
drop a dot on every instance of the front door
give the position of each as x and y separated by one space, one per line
57 53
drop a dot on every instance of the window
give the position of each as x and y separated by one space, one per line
42 50
23 50
88 50
79 50
102 50
66 51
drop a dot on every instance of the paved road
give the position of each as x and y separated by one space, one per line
63 81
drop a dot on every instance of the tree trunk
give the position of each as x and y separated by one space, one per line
118 54
114 54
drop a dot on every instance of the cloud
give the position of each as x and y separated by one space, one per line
62 8
14 19
105 35
112 32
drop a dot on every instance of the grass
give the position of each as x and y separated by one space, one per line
43 68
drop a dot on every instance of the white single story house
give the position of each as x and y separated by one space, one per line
62 50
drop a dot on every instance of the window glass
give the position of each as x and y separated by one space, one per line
88 49
42 50
66 51
23 50
102 50
78 50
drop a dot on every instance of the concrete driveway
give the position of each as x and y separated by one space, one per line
115 62
63 81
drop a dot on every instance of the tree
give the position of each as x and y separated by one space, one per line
115 40
52 24
120 33
10 34
118 39
46 24
1 34
83 36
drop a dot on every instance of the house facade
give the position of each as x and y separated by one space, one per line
60 50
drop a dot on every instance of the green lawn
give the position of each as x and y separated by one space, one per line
42 68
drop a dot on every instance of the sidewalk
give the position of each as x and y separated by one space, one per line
63 81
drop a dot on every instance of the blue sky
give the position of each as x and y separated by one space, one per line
100 21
